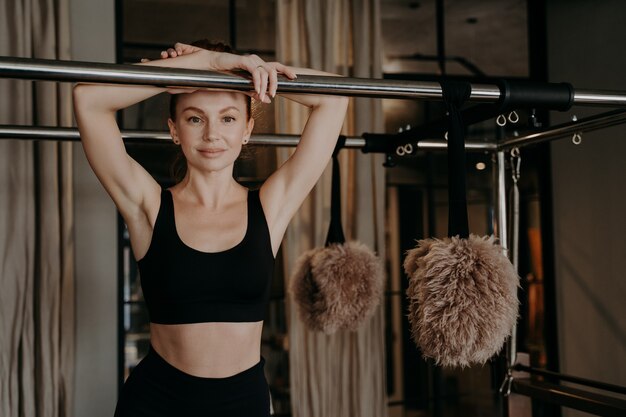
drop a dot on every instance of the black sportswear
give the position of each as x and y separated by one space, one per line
157 389
183 285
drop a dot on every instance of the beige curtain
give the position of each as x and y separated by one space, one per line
36 244
342 374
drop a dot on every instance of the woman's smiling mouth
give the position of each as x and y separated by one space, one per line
211 152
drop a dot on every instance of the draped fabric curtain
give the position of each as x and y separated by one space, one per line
36 237
341 374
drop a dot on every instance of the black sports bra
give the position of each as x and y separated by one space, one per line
184 285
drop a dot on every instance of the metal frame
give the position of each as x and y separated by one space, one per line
587 401
598 121
588 124
69 71
569 378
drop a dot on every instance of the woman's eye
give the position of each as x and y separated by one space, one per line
195 119
229 119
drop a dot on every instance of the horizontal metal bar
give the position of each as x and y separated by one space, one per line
577 380
599 97
147 137
595 122
74 71
442 145
156 137
583 125
293 140
589 402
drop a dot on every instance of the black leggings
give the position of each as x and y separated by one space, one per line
157 389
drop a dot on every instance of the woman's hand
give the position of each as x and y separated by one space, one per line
179 49
264 74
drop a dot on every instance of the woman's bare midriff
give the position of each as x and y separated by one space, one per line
208 350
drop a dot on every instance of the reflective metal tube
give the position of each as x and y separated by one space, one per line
583 125
600 98
590 402
598 121
442 145
151 137
154 137
73 71
570 378
501 231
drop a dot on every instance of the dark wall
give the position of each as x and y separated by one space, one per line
586 48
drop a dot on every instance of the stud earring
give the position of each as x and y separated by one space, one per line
245 141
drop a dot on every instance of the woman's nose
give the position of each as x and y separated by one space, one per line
210 134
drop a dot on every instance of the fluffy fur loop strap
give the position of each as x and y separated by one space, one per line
462 289
339 286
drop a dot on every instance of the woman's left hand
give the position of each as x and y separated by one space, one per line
264 74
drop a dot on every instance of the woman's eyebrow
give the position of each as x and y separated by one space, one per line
196 109
225 109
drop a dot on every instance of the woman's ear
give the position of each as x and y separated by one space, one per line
248 132
173 132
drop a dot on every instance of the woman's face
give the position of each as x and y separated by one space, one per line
211 128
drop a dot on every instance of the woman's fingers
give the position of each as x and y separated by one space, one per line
254 65
284 69
178 49
170 53
273 81
256 80
181 90
264 74
264 82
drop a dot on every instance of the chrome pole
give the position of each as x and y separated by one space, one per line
442 145
500 218
600 98
501 231
150 137
597 121
155 137
73 71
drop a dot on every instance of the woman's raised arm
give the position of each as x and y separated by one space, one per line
95 107
129 185
285 190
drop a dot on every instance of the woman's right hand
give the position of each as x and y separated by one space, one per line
179 49
264 74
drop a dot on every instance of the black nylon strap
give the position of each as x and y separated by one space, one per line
341 143
335 230
437 129
454 95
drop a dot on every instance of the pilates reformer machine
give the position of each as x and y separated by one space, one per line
494 99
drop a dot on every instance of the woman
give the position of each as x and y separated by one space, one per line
206 246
